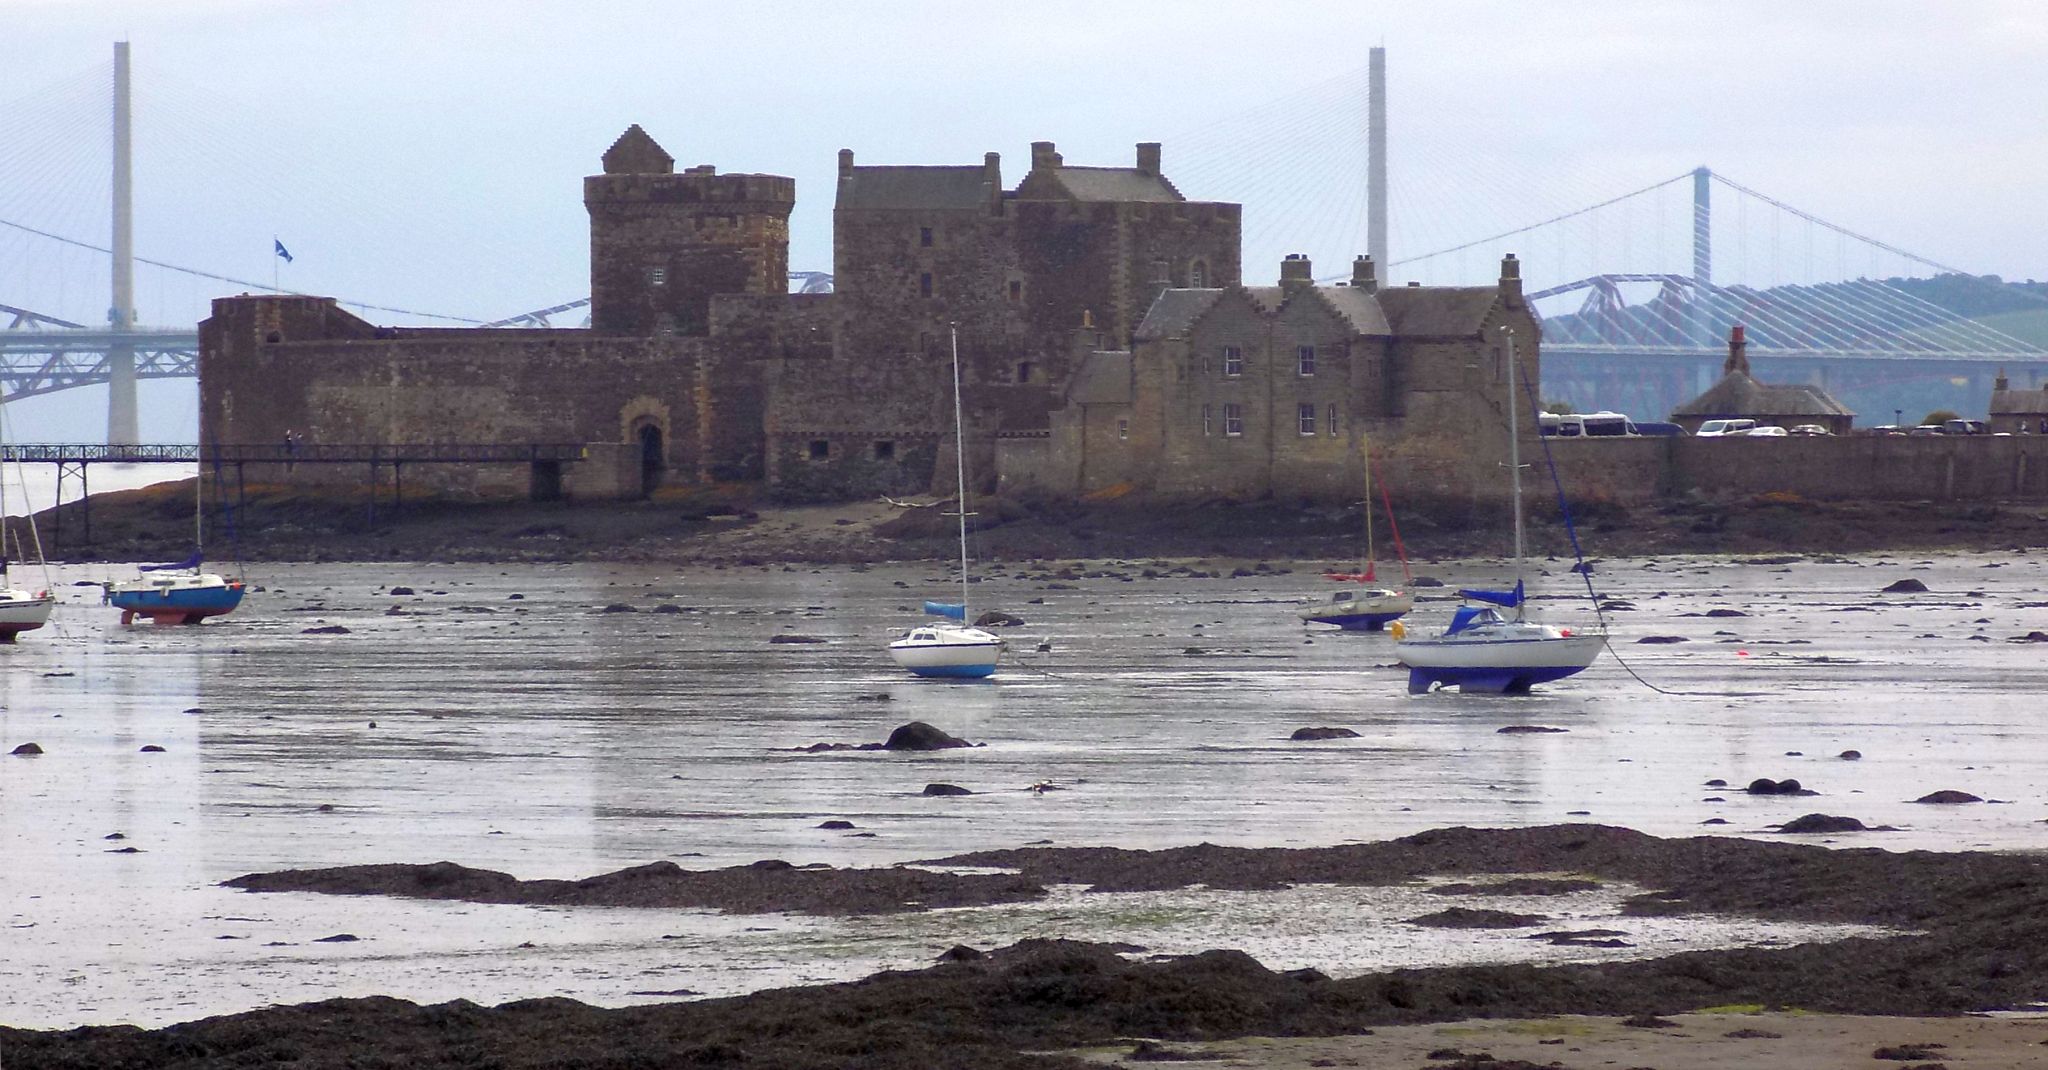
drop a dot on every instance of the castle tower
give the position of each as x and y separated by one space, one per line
662 244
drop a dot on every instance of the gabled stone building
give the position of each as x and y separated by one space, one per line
2020 412
1249 392
1740 396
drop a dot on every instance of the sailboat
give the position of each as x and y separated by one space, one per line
948 649
178 593
20 610
1366 608
1484 650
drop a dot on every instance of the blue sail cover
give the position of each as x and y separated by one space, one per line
1509 599
189 563
946 609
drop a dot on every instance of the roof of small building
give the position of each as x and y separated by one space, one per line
637 153
1437 311
1121 184
915 188
1104 378
2018 402
1177 310
1737 394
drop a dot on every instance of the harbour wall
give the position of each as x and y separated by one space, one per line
1851 467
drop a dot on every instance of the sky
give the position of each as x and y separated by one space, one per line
428 156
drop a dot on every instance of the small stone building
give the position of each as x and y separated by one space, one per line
1739 396
2021 412
1273 391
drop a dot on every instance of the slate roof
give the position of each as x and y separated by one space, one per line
2014 402
1176 310
1437 311
1120 184
1104 378
915 188
1737 395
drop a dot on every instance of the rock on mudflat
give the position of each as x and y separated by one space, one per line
1767 786
324 629
1527 729
1468 918
1660 640
996 618
945 789
1946 797
835 823
27 749
1851 756
1301 734
1822 823
918 735
1906 586
788 638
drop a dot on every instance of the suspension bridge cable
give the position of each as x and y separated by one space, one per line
1837 228
1547 222
264 286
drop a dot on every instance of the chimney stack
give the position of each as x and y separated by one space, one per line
1363 277
1042 155
1148 158
1738 353
992 177
845 163
1511 281
1296 273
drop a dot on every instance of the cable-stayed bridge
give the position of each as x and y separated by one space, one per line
1637 291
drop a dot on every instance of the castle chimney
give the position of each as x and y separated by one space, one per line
1043 156
1296 273
992 177
1738 353
845 163
1511 281
1363 277
1999 385
1148 158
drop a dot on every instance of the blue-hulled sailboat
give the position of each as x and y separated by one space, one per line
178 593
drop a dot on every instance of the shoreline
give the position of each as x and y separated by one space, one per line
1976 926
728 526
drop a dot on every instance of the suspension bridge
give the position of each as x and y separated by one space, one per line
1637 291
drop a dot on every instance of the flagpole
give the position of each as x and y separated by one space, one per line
275 244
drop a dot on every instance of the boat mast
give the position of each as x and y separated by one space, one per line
199 512
1365 452
960 471
1515 459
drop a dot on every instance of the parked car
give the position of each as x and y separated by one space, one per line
1771 431
1724 428
1928 429
1811 429
1659 429
1965 427
1886 429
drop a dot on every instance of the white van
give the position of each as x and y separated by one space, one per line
1608 425
1724 428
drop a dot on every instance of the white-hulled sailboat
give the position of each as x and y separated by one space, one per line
1365 607
960 650
1483 650
21 610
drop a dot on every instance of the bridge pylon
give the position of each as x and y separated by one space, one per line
123 424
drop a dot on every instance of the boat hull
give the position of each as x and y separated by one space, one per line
22 612
1495 666
951 656
177 605
1368 614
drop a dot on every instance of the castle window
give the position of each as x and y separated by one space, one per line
1305 417
1233 361
1016 291
1198 275
924 284
1208 422
1123 430
1333 417
885 450
820 449
1024 371
924 236
657 276
1233 421
1305 360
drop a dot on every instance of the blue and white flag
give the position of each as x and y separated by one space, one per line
283 253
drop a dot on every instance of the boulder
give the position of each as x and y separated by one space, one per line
945 789
27 749
1468 918
1821 823
1767 786
1527 729
1906 586
918 735
399 592
151 748
1850 755
619 607
835 823
1301 734
788 638
996 618
324 629
1947 798
1655 640
961 953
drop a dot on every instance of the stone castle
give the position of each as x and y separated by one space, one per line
1107 344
